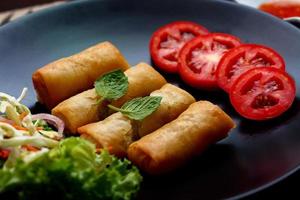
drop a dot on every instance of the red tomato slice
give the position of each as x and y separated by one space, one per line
262 93
166 42
198 59
242 58
4 154
282 8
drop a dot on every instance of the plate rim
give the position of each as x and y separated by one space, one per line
57 8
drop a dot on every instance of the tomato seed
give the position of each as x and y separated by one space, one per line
263 101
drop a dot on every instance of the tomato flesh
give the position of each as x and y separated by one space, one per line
282 8
245 63
4 154
167 41
205 58
262 93
199 58
169 48
243 58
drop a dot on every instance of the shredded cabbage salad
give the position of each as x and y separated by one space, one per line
23 135
38 162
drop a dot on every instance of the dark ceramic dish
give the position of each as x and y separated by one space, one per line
254 156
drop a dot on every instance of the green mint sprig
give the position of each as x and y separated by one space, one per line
139 108
111 86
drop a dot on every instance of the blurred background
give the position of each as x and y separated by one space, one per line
13 9
12 4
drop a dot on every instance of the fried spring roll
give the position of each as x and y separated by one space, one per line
83 108
174 102
68 76
175 143
117 132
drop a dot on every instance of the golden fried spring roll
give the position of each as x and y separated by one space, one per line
117 132
83 108
174 102
173 144
68 76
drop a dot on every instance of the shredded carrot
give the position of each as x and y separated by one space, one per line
19 127
22 115
30 148
39 128
13 124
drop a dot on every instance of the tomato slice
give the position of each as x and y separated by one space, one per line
262 93
4 154
166 42
282 8
242 58
198 59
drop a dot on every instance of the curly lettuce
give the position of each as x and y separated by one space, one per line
72 170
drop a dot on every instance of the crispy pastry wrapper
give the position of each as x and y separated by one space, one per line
117 132
169 147
83 108
173 103
68 76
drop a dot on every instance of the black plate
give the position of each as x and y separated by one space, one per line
254 156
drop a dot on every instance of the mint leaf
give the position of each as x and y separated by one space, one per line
139 108
111 86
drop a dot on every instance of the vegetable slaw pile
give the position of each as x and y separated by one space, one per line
38 163
23 133
71 170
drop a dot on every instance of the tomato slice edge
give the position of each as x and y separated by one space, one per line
234 54
196 79
284 102
156 40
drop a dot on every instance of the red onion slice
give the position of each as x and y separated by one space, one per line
51 119
3 119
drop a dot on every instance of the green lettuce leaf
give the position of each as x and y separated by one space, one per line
72 170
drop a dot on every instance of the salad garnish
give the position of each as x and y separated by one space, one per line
111 86
139 108
114 85
71 170
20 131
